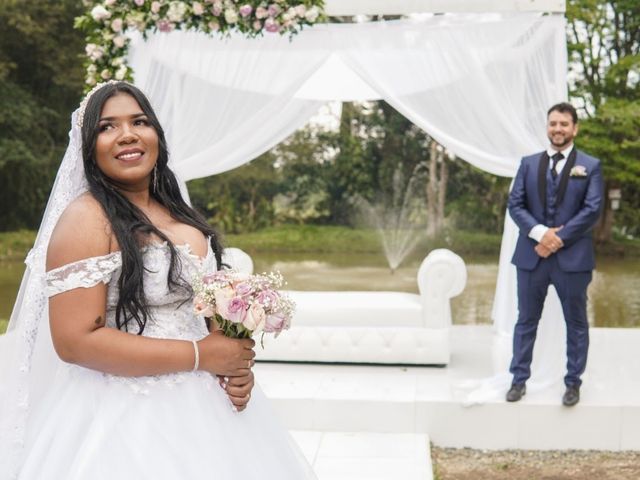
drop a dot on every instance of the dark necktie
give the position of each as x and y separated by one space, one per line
556 158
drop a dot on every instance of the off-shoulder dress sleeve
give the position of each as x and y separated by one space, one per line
84 273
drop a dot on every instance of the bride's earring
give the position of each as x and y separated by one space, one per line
155 178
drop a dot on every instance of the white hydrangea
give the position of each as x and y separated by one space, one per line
93 51
177 11
231 15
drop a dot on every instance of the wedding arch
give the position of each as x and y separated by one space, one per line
479 80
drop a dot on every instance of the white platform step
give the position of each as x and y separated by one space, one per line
424 401
366 455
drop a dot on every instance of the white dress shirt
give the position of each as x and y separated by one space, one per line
538 231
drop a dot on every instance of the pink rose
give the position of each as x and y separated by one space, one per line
301 10
214 26
255 318
201 308
139 2
257 26
117 24
274 323
245 10
155 7
164 25
267 297
216 9
198 9
119 41
274 10
243 289
234 309
270 25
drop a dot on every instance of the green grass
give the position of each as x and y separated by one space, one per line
336 239
3 326
306 238
16 245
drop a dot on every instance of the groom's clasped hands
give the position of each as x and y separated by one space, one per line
549 243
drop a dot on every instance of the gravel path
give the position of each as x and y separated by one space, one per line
468 464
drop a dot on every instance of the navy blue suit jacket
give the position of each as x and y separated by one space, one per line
577 210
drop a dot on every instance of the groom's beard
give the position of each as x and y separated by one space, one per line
560 144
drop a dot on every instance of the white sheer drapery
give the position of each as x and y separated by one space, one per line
479 84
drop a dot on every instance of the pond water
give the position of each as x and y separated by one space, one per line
614 298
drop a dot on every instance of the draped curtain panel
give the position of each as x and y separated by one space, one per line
479 84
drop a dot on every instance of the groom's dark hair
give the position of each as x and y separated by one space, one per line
130 225
565 107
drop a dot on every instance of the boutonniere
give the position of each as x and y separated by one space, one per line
578 171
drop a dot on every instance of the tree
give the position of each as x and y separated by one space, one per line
604 47
40 84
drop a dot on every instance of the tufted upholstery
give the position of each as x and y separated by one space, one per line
374 327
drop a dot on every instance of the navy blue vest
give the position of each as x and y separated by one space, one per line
551 203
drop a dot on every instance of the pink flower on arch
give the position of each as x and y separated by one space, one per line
245 10
164 25
270 25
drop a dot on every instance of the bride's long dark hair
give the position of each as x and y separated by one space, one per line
130 225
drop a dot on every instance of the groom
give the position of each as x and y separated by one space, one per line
555 201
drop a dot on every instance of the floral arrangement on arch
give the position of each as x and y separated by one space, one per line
105 23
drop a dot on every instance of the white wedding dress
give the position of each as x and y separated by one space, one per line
96 426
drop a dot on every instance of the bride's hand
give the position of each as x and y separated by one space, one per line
239 389
229 357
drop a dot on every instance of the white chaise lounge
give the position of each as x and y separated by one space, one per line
372 327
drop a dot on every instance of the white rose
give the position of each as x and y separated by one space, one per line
116 62
155 7
312 14
198 9
301 10
108 3
92 70
121 72
91 80
117 25
105 74
230 15
100 13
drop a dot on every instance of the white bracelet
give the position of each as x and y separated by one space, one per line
196 351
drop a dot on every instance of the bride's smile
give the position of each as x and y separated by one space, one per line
127 143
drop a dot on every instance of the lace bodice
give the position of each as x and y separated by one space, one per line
171 310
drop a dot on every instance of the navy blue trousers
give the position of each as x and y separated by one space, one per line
532 291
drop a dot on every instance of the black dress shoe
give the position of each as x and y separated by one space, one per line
571 396
516 392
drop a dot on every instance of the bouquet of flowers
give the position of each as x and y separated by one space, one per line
243 305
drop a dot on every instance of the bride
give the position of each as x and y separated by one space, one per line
138 387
